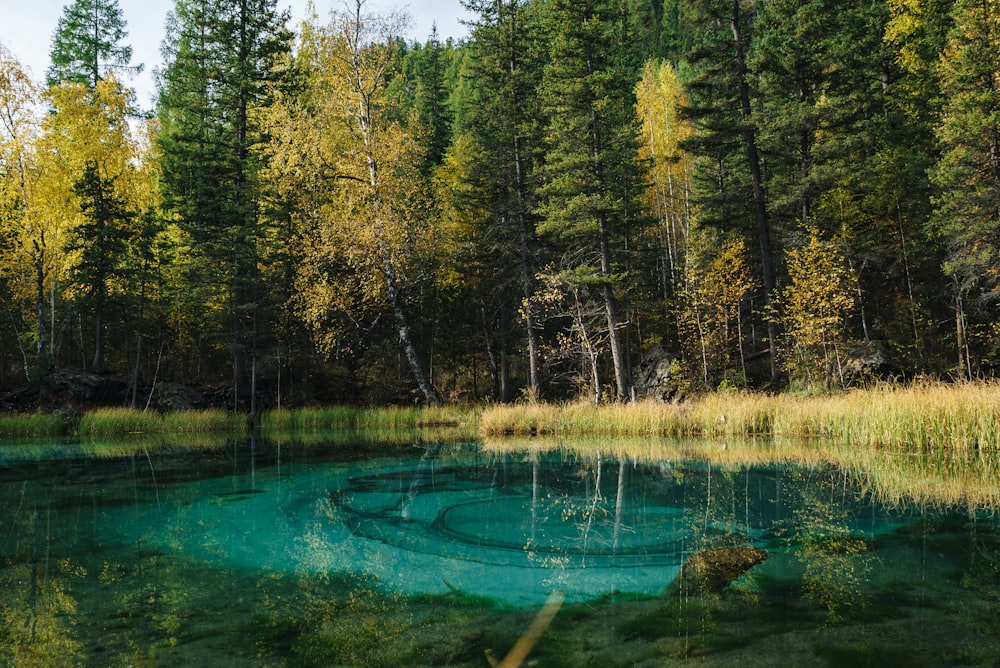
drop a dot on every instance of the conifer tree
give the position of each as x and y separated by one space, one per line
591 179
431 100
967 176
732 189
506 70
101 240
87 44
223 61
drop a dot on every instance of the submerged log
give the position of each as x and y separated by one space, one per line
711 571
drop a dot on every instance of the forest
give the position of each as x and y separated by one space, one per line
769 195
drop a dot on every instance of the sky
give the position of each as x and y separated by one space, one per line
26 28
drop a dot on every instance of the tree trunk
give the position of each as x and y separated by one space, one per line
527 272
40 309
759 201
403 331
964 367
97 364
622 380
527 277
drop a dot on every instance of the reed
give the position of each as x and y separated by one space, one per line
308 418
119 421
925 415
204 421
712 415
104 421
14 425
384 418
519 419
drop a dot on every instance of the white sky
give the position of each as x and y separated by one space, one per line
26 28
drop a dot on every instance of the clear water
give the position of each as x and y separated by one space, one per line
260 554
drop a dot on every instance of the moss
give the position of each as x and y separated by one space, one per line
275 637
467 649
669 621
876 656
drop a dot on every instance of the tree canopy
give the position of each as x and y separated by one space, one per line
327 212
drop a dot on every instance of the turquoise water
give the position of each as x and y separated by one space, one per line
250 552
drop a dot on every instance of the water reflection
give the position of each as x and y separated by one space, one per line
313 554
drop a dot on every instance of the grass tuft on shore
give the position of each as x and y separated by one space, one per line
352 418
926 415
118 421
16 425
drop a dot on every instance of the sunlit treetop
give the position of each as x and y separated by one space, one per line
87 44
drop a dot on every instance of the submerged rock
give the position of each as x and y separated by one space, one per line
711 571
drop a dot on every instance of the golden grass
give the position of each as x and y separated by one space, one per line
929 415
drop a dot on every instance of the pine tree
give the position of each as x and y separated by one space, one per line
967 176
591 177
505 72
87 44
101 240
224 58
731 187
431 101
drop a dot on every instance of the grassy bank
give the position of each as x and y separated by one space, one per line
930 415
117 421
16 425
345 417
127 421
965 416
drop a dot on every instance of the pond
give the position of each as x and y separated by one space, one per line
336 550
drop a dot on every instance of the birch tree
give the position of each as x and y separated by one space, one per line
366 225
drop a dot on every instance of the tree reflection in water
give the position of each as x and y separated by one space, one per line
436 555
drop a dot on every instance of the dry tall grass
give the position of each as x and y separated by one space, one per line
929 415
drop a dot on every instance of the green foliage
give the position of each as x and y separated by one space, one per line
86 45
30 424
281 228
590 177
224 62
101 240
714 314
968 173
